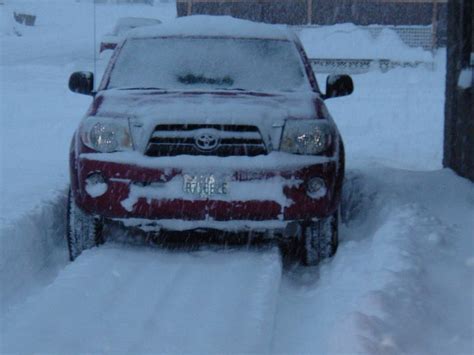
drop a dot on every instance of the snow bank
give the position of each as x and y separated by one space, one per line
402 279
396 118
32 251
38 115
348 41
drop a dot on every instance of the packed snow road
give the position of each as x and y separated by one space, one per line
138 300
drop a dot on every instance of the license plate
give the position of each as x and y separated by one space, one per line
205 185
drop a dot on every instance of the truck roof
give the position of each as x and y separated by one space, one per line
214 26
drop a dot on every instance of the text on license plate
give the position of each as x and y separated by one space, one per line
205 185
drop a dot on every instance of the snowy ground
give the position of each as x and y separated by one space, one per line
401 282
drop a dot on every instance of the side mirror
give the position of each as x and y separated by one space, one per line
338 85
82 82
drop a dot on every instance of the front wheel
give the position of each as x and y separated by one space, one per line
84 231
319 240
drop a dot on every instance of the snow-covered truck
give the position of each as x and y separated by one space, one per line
209 124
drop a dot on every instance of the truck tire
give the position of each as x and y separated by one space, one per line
319 240
84 231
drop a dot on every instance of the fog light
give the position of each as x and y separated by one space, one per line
316 188
96 185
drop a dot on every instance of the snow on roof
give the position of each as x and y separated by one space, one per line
218 26
126 24
132 21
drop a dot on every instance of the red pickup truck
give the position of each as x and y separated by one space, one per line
209 123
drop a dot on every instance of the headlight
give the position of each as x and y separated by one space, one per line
309 137
106 135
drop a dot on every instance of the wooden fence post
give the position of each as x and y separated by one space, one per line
434 26
190 7
309 9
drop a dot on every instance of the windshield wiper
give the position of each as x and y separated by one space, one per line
191 79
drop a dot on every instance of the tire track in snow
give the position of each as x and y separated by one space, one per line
397 284
133 299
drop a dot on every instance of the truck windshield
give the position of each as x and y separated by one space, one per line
196 63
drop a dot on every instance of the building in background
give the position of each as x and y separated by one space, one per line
459 111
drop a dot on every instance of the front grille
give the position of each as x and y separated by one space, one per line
190 139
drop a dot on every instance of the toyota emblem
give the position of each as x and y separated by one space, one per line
206 141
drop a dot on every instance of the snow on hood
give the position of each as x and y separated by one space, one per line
146 109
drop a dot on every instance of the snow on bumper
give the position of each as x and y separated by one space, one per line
264 191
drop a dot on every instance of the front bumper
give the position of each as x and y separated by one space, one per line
265 192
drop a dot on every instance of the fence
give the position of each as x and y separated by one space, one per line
413 36
360 66
416 21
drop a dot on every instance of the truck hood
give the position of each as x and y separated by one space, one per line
147 108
